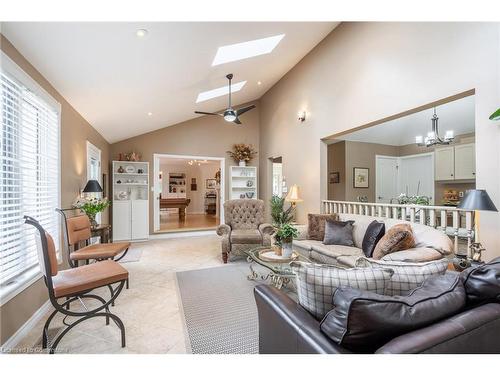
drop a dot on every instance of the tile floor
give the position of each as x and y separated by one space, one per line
149 309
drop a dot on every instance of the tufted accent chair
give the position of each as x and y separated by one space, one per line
244 227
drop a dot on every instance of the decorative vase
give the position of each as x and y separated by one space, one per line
242 163
93 222
286 249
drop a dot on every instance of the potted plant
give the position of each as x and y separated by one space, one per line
91 207
279 217
242 153
286 233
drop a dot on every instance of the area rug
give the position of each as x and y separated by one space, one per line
133 255
219 310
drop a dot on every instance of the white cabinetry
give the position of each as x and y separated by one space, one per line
130 201
456 162
465 162
445 163
243 182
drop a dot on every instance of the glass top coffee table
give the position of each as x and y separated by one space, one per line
280 272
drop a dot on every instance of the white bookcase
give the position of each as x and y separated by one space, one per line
243 183
176 185
130 201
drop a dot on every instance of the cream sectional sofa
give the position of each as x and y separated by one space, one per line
431 243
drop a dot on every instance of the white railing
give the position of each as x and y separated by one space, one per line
454 222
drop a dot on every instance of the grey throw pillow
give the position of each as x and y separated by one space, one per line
338 233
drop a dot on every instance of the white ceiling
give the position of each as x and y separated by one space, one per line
169 162
113 78
458 116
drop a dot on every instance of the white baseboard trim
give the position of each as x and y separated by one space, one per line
16 338
197 233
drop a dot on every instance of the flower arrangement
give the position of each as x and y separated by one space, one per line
242 152
420 200
92 206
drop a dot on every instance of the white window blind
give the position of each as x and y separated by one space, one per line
29 168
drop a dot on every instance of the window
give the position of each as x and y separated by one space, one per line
29 169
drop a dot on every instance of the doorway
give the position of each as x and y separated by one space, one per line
411 175
278 181
188 192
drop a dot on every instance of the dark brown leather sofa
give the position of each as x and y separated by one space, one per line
286 328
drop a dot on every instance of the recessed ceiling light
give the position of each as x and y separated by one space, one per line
259 83
141 33
239 51
150 113
206 95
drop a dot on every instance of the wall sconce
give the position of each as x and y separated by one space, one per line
302 116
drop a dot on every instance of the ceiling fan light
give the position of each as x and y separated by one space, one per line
229 117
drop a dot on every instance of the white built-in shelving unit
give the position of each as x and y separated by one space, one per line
243 183
130 200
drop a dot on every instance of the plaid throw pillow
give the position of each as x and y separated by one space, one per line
407 276
316 283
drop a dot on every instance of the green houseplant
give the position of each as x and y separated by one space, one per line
286 233
91 207
279 215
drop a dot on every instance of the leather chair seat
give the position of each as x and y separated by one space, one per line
76 280
246 236
100 251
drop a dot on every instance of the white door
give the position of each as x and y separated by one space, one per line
465 162
157 188
121 220
416 175
386 178
445 163
140 224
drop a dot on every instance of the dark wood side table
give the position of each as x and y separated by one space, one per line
103 231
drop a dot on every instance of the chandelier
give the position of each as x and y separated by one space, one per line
433 137
199 162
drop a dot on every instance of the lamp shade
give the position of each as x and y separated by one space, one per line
92 186
293 195
477 200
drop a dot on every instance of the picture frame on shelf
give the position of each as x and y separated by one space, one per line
210 183
361 177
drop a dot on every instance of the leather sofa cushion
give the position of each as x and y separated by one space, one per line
246 236
363 321
482 283
338 233
399 237
374 232
316 225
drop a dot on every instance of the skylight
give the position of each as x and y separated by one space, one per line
206 95
239 51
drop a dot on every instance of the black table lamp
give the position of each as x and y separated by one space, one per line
92 186
477 200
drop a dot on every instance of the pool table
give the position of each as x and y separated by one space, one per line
180 203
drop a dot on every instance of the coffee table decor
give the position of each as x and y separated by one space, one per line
280 272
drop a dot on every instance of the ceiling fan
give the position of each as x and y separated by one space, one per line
230 114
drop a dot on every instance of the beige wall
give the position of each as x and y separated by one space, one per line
363 72
362 154
336 163
203 136
75 131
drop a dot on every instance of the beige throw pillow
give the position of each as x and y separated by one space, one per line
316 225
399 237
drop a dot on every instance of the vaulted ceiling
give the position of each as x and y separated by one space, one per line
126 85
